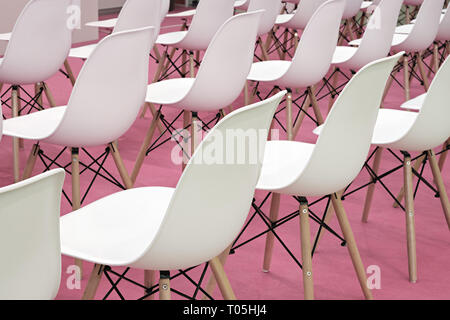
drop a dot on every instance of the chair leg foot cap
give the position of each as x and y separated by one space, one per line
265 270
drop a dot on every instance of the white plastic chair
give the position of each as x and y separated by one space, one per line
108 94
37 48
29 238
292 167
219 81
159 228
416 131
310 63
375 43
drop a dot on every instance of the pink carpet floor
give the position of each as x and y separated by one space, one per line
382 241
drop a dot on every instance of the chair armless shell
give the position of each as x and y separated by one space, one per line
301 17
425 29
39 44
315 50
29 238
444 28
377 39
339 153
272 9
226 64
431 127
212 201
352 7
137 14
110 96
211 14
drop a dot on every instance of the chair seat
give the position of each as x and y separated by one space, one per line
82 52
398 39
392 125
108 23
355 42
414 104
268 70
343 54
170 91
182 14
365 5
284 18
117 229
5 36
36 125
171 38
404 29
283 163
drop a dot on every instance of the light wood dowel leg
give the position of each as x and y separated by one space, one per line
149 279
164 286
409 214
94 281
49 95
120 165
222 279
69 72
315 105
406 76
76 199
274 209
305 235
16 143
426 81
440 186
351 245
211 285
301 116
371 187
401 194
31 162
334 84
443 156
196 132
289 128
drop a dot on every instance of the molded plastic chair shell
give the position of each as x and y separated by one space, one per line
299 20
29 238
424 31
352 7
39 43
345 138
272 9
444 28
165 228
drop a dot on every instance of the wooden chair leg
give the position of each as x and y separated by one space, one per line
16 144
196 132
426 81
371 187
246 94
142 152
191 65
211 285
76 198
386 89
149 279
301 117
315 105
406 77
94 281
164 286
351 245
69 72
305 236
409 214
120 165
289 129
274 209
401 194
334 83
48 94
31 161
440 186
222 279
443 156
38 90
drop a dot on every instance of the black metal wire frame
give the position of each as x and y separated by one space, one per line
31 103
333 91
175 134
379 178
273 225
283 42
99 172
174 66
149 291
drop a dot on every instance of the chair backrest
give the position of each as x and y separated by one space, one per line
432 125
272 9
426 27
225 65
444 28
210 15
109 92
352 7
345 139
213 196
377 39
39 44
137 14
316 47
29 238
305 10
